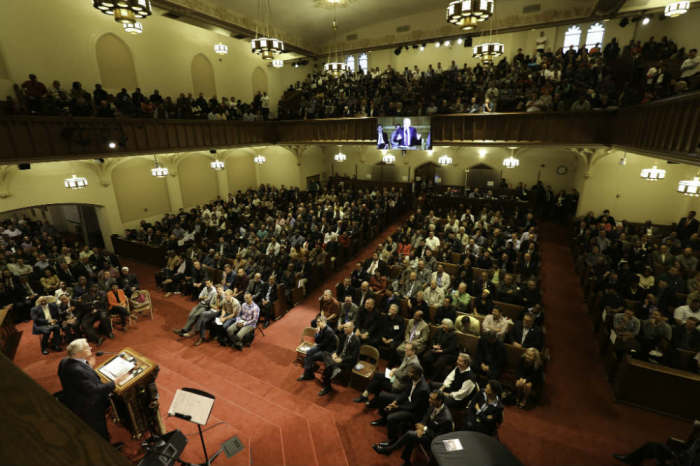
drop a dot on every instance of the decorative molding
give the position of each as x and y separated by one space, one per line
298 151
591 156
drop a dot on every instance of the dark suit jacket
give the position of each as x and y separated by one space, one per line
273 292
534 338
349 351
490 418
441 424
325 340
419 400
84 393
37 315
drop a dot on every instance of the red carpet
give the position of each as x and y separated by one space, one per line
284 422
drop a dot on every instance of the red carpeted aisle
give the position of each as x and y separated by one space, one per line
284 422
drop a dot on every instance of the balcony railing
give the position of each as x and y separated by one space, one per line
669 127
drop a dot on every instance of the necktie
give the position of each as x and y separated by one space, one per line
406 138
413 334
410 395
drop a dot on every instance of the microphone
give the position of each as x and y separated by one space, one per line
186 417
102 353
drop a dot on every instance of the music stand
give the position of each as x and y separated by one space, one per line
195 406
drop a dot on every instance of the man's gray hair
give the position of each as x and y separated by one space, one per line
466 357
76 346
448 323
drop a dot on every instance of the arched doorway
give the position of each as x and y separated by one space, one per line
78 222
482 176
426 173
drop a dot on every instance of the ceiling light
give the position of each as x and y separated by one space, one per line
112 145
277 63
133 9
335 68
676 9
75 182
466 13
266 47
259 159
645 21
623 160
482 153
388 158
447 43
460 40
445 160
421 48
340 157
217 165
653 174
488 51
133 28
159 172
430 152
689 187
511 162
221 48
124 16
437 44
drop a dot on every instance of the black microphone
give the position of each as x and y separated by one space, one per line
102 353
186 417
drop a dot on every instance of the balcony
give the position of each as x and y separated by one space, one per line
669 128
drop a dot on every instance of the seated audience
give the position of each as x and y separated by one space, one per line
529 377
485 410
46 323
442 351
396 382
460 384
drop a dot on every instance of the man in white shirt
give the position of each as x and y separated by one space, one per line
432 241
12 231
495 322
690 67
691 309
460 384
442 278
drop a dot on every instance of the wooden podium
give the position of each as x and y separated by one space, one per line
135 402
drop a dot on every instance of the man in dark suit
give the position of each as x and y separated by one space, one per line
437 421
405 136
345 288
525 334
83 392
409 406
46 323
687 226
344 357
268 296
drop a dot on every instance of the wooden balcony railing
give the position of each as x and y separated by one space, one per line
669 127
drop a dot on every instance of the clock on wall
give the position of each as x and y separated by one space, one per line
562 170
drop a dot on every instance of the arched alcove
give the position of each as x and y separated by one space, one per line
115 63
138 193
259 80
197 181
203 76
482 176
4 72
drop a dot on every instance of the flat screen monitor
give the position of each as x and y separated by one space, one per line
404 133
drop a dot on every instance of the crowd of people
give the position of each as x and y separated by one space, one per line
231 256
643 286
66 288
564 80
404 303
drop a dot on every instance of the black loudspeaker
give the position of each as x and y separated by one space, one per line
468 41
165 451
24 166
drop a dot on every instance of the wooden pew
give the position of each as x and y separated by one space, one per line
512 311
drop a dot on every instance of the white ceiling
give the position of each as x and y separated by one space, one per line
309 21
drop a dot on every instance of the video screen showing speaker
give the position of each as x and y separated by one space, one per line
404 133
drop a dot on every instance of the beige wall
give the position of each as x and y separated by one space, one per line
138 193
629 197
240 170
60 43
198 181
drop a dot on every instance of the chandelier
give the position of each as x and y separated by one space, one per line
690 187
340 157
124 11
653 174
512 161
75 182
266 46
676 9
277 63
388 158
133 28
445 160
217 165
466 13
259 159
158 171
489 51
221 48
335 67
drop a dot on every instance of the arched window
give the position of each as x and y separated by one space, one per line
572 37
594 36
364 66
350 62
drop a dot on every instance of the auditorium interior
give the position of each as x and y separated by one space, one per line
269 204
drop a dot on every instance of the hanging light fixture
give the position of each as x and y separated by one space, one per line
676 9
266 46
690 187
139 8
490 50
512 161
467 13
445 160
133 28
277 63
340 157
653 174
217 165
75 182
259 159
335 66
388 158
221 48
158 171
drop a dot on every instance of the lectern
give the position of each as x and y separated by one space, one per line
135 401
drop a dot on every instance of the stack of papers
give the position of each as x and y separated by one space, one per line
116 368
